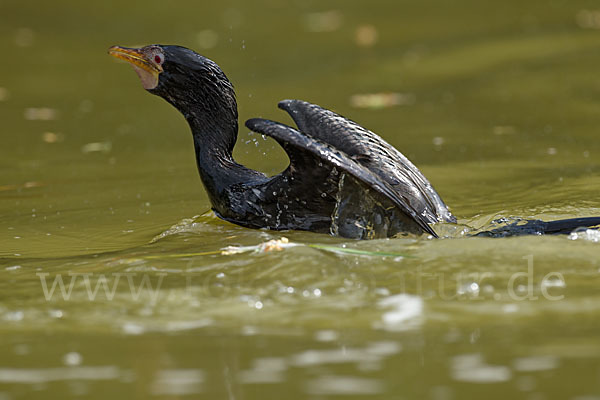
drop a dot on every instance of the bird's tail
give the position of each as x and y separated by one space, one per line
566 226
539 227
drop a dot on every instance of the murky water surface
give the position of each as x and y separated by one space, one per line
116 281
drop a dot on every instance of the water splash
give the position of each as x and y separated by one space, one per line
583 234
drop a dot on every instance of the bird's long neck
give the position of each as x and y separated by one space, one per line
214 139
214 134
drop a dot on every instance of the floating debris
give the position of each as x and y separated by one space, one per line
381 100
275 245
326 21
41 114
271 245
365 36
103 147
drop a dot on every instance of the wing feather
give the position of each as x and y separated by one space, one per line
372 152
300 146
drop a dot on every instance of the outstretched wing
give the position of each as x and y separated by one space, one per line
305 151
373 153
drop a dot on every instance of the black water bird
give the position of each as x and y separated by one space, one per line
342 179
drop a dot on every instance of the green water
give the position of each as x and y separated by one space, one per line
503 119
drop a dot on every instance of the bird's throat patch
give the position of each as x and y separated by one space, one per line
149 79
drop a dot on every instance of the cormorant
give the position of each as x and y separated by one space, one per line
342 179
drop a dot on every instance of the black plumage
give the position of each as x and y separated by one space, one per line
342 179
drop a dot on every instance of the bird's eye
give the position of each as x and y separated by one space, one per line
158 58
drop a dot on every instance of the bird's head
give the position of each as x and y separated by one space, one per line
194 84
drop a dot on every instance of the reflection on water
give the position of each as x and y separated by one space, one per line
404 310
344 385
109 286
472 368
58 374
332 316
178 382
